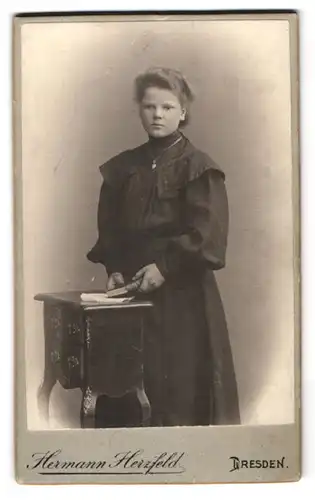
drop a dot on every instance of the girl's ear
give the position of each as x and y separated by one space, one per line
183 114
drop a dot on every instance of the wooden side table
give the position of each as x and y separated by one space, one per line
94 347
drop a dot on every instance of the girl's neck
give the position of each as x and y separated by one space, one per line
161 143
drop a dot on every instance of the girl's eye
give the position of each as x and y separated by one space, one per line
167 107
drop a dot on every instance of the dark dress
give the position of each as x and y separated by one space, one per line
176 216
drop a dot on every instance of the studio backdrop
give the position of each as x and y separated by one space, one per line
78 111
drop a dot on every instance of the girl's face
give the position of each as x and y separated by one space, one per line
160 112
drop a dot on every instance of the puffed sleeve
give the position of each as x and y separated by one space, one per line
108 248
204 240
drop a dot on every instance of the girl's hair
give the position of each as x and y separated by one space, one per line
169 79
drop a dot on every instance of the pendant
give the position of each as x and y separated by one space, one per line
153 164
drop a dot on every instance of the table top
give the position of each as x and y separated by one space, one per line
73 298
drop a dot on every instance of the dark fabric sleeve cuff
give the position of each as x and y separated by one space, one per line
96 255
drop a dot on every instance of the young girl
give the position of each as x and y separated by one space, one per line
163 222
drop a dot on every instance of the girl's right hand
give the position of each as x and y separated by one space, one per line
115 280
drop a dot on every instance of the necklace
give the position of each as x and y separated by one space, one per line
153 166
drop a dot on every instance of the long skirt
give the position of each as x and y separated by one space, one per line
189 373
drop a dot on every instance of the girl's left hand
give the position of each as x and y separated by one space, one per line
150 279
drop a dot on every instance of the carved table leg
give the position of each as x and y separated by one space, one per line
44 391
145 406
88 409
52 325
